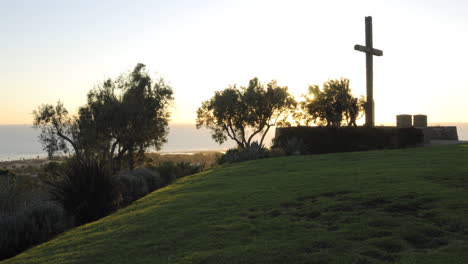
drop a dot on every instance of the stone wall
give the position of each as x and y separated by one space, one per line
430 133
443 132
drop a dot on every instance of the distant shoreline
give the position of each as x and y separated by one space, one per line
36 162
18 142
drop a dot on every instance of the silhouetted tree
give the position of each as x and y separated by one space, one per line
242 113
122 118
58 129
334 105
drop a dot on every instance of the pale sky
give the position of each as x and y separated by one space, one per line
51 50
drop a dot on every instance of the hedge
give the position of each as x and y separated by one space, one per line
317 140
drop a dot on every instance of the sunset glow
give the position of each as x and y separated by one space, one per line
55 50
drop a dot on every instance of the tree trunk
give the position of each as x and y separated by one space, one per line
131 161
264 134
119 158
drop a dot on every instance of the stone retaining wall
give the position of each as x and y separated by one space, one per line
441 132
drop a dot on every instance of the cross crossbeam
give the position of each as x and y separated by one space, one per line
370 52
365 49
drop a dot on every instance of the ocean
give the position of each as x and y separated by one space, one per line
21 141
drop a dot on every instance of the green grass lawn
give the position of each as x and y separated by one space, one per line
403 206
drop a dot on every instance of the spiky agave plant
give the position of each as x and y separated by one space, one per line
85 188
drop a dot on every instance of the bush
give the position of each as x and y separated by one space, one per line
135 184
276 152
187 168
171 171
8 194
253 152
81 191
206 159
294 146
317 140
30 226
168 171
53 168
24 219
85 188
130 188
151 176
18 192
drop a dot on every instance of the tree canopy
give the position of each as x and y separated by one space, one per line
58 128
122 118
334 105
241 113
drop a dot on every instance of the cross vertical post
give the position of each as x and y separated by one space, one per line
370 118
370 52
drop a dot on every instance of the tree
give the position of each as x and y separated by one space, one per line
334 105
242 113
58 129
122 118
132 112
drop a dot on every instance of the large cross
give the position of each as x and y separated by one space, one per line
370 52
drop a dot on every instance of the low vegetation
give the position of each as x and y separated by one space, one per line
71 193
391 206
86 189
207 159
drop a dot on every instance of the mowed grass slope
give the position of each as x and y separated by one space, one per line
403 206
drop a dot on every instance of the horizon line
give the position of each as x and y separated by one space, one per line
184 123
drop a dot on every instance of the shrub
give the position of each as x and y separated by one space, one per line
206 159
168 172
81 191
53 168
276 152
8 193
130 188
151 176
85 189
135 184
294 146
253 152
171 171
18 192
30 226
187 168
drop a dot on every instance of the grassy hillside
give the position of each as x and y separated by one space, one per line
404 206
